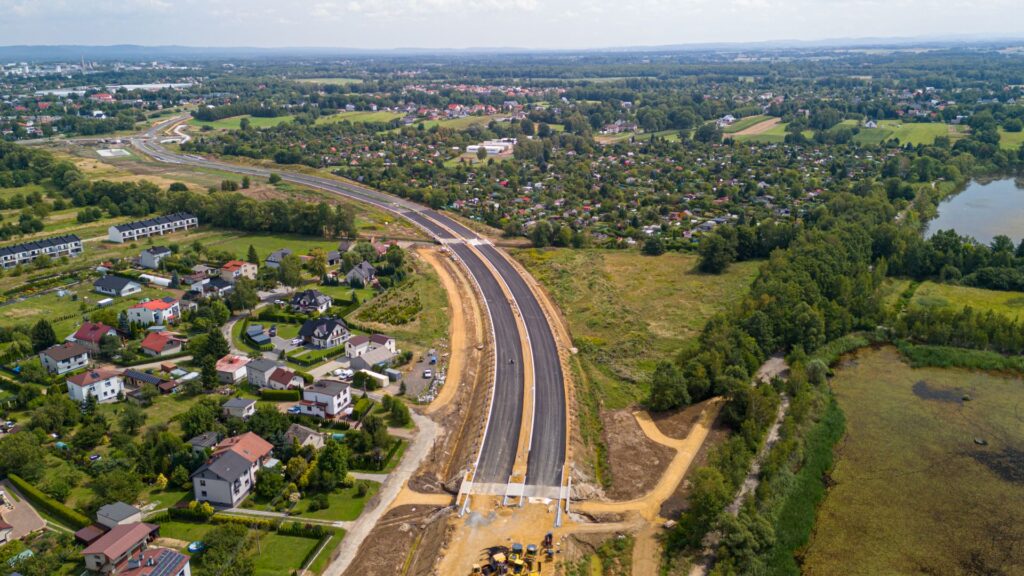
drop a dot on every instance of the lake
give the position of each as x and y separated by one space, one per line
983 211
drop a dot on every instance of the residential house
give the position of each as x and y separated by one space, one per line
163 311
118 514
157 562
230 474
258 335
285 379
232 270
116 286
205 441
215 286
160 225
324 332
231 368
311 301
62 358
361 274
372 358
333 258
275 257
303 436
152 257
114 549
161 343
358 345
69 245
239 407
258 371
5 531
325 399
103 383
91 334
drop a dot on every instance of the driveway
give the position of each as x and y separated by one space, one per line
19 513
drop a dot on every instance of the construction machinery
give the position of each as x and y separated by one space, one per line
515 560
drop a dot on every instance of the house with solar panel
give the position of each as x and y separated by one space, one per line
158 226
68 245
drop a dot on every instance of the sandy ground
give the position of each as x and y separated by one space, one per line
757 128
412 531
635 461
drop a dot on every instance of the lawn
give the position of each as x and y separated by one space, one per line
626 312
344 505
235 122
935 295
915 133
912 492
460 123
420 299
744 123
321 561
383 116
166 498
330 81
184 531
276 554
1010 140
238 243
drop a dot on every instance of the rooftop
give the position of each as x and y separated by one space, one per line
61 352
120 539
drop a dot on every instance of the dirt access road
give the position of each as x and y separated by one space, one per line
758 128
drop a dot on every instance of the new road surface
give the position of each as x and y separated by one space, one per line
497 456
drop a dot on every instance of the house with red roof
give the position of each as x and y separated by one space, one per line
103 383
232 270
161 343
162 311
90 334
115 548
230 474
157 561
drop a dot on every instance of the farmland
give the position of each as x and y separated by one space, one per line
913 492
235 122
330 81
626 312
744 123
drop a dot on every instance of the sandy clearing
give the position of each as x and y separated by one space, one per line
758 128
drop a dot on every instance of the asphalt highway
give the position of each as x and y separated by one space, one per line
497 456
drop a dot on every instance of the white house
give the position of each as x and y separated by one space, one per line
163 311
358 345
324 332
69 245
232 270
231 368
102 383
230 474
152 257
117 514
310 301
239 407
62 358
258 371
154 226
325 399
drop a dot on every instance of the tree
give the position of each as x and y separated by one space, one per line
274 178
399 413
132 418
118 485
246 182
653 246
668 387
160 483
110 346
226 553
297 466
252 257
216 346
395 256
244 296
269 422
180 477
708 133
318 262
43 335
22 453
716 253
481 153
269 484
290 271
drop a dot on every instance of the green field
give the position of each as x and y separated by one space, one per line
360 116
421 299
1010 140
744 123
935 295
276 554
460 123
774 135
912 492
344 504
235 122
330 81
321 561
626 311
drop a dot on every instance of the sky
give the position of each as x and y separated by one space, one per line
537 24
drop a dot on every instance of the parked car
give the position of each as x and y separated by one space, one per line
273 330
294 410
428 374
296 341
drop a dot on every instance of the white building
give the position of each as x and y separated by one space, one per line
325 399
63 358
69 245
152 257
104 384
493 146
230 474
164 311
154 226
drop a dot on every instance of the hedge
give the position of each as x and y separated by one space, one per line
304 530
150 359
316 357
59 511
247 521
275 315
188 514
279 395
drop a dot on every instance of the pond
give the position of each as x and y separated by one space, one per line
984 210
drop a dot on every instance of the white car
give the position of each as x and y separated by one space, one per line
428 374
296 341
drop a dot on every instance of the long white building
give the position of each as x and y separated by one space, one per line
69 245
153 227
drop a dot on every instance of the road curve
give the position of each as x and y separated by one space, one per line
497 455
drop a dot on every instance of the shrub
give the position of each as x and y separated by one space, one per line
71 517
279 395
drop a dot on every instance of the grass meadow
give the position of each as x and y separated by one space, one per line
626 311
912 492
935 295
235 122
